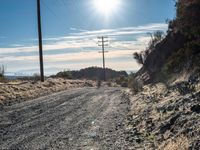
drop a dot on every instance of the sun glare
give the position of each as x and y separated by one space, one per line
106 7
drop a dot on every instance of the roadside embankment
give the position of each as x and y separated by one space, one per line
165 117
18 91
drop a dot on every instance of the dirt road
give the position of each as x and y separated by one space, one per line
86 118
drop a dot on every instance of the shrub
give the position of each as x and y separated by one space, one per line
139 58
185 58
36 77
135 85
2 72
66 74
187 21
122 81
109 83
156 37
124 84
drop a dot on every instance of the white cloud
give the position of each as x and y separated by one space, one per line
73 29
120 46
86 39
124 31
81 56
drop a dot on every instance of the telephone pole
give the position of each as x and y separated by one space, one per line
103 44
40 42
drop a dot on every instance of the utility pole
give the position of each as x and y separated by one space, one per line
40 42
103 44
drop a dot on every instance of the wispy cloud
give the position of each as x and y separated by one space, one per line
85 39
123 31
81 56
81 46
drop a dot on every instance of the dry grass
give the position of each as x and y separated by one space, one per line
180 143
146 104
19 90
197 87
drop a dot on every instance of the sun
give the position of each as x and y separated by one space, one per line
106 7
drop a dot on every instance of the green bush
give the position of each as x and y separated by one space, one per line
36 77
156 37
122 81
130 82
2 72
185 58
66 74
187 17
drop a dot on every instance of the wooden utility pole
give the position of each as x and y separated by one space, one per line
103 44
40 42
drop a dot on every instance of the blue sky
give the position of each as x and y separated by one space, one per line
70 31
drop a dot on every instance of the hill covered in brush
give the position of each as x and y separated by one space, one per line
91 73
178 53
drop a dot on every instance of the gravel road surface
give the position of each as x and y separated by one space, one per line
79 119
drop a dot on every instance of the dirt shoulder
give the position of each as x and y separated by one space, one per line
165 118
19 91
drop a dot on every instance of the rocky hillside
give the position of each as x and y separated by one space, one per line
179 51
165 117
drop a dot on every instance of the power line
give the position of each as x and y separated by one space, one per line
64 3
61 4
50 10
62 21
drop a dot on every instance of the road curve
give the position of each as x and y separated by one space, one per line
86 118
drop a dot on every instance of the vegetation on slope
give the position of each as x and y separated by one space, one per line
188 24
92 73
179 51
166 116
2 72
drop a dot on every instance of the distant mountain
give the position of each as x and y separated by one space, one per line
92 73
